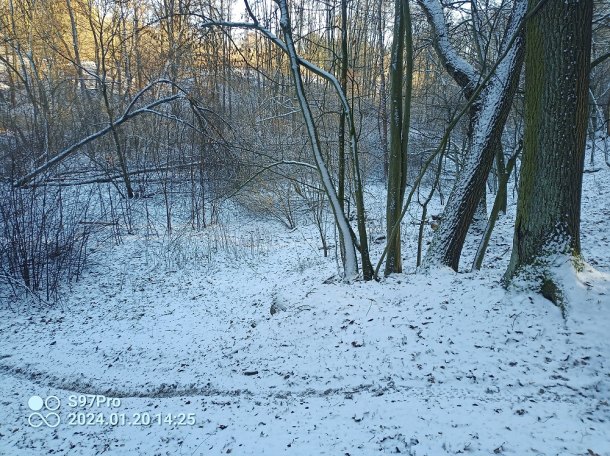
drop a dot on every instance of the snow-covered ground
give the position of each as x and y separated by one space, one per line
270 357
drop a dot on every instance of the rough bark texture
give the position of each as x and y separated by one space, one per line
488 118
556 108
608 118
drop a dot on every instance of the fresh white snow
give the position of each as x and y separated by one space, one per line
443 363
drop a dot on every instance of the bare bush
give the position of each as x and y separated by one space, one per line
43 240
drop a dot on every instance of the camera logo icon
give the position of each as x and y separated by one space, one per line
51 405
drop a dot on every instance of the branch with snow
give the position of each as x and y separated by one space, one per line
518 30
351 263
129 114
493 106
462 72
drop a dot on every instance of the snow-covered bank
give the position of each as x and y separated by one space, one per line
417 364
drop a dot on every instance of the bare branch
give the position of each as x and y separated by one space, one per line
127 115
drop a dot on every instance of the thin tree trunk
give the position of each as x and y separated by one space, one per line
499 204
400 108
490 114
350 262
383 109
342 116
75 46
502 177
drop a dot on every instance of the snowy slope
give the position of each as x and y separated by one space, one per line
433 364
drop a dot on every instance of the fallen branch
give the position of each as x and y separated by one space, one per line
127 115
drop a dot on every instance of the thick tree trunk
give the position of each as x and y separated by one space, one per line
556 110
490 117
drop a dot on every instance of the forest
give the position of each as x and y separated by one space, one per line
304 226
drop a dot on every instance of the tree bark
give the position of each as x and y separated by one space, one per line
382 116
350 264
499 206
488 117
400 109
343 115
556 110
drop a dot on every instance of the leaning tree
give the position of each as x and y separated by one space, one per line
488 113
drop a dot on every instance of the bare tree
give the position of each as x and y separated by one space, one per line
487 118
400 116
